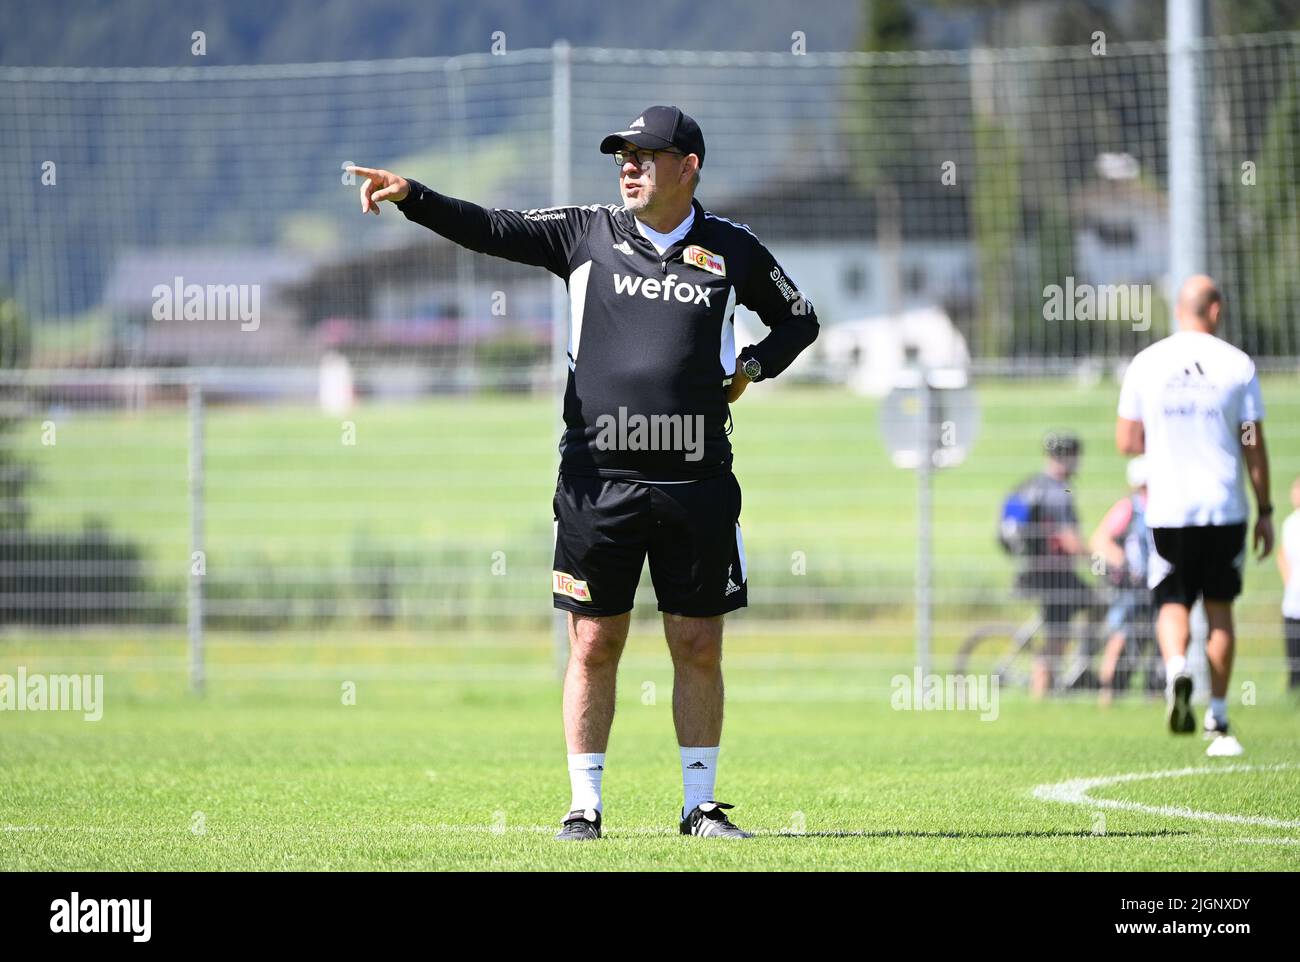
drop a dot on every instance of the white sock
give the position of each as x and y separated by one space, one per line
1219 711
1177 665
585 771
699 773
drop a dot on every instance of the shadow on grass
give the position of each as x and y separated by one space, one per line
900 833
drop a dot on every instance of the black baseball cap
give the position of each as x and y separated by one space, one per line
659 128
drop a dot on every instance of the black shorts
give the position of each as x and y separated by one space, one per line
1061 592
1200 561
604 529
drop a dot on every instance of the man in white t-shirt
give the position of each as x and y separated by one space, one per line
1288 562
1192 404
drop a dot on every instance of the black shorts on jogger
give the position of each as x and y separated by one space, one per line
605 528
1198 561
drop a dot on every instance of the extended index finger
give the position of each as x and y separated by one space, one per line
367 172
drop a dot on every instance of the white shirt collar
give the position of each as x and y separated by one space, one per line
664 241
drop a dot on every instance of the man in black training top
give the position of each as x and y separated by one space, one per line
1055 547
645 463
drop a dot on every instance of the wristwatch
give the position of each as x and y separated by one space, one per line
1265 510
753 370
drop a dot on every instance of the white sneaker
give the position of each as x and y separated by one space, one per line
1225 746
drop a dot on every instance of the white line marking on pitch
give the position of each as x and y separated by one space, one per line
1268 841
1075 792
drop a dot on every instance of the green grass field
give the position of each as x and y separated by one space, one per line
453 755
454 759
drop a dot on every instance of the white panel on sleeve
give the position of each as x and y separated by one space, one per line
577 304
727 352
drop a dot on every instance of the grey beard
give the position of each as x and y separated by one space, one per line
640 203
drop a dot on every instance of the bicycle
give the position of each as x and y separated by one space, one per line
1008 651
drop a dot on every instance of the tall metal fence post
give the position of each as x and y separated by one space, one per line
924 510
1187 205
198 559
561 187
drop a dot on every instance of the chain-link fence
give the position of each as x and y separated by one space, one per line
228 392
139 502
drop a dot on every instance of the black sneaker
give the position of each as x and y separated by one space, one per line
707 818
580 825
1181 719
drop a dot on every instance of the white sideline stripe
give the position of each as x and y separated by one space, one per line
1268 841
744 227
1075 792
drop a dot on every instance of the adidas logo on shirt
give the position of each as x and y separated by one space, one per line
655 289
624 248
